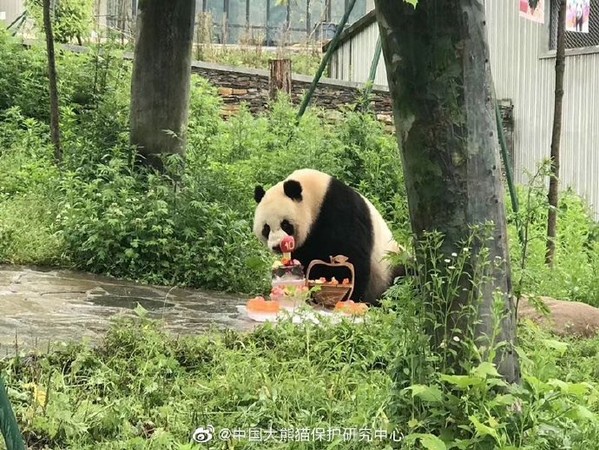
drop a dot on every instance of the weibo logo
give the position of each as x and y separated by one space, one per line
202 434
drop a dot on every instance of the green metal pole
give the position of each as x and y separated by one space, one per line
325 59
508 171
18 22
375 60
8 422
373 67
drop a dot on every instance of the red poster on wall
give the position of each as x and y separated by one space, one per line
533 10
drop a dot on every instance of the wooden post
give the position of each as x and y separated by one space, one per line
280 77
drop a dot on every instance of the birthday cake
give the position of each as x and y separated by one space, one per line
290 273
287 271
290 291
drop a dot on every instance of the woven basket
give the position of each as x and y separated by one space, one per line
329 295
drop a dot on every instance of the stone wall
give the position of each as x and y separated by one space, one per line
237 85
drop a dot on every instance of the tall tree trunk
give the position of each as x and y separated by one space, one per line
160 84
560 65
437 61
53 87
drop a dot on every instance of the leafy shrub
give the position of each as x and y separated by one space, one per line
28 192
471 406
197 231
124 227
72 19
576 269
22 79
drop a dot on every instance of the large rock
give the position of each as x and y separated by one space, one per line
565 318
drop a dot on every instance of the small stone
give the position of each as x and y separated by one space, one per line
225 91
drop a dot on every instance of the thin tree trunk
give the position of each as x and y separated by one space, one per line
53 87
437 61
560 65
160 84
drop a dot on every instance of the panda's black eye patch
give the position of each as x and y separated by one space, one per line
287 227
265 230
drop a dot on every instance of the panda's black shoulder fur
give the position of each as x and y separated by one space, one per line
343 226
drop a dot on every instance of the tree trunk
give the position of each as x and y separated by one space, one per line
160 83
437 61
280 77
560 64
53 87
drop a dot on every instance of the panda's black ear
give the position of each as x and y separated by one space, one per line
258 193
293 189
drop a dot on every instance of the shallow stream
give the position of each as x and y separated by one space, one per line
38 307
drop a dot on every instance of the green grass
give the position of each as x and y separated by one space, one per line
144 389
288 377
304 62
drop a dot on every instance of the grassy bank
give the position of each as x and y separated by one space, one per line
143 389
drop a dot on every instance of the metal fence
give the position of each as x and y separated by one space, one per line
265 22
575 39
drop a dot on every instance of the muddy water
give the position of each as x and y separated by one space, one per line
39 307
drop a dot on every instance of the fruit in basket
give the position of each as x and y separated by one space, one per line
332 282
351 308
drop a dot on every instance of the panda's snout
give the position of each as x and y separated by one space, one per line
277 249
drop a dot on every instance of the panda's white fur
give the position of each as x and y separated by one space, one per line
275 205
384 244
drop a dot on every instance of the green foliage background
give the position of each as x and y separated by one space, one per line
141 388
71 19
99 215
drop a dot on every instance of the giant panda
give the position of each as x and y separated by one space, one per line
328 218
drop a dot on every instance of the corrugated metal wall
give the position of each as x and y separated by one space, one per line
10 10
525 74
352 60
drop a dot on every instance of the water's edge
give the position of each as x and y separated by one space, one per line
40 306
